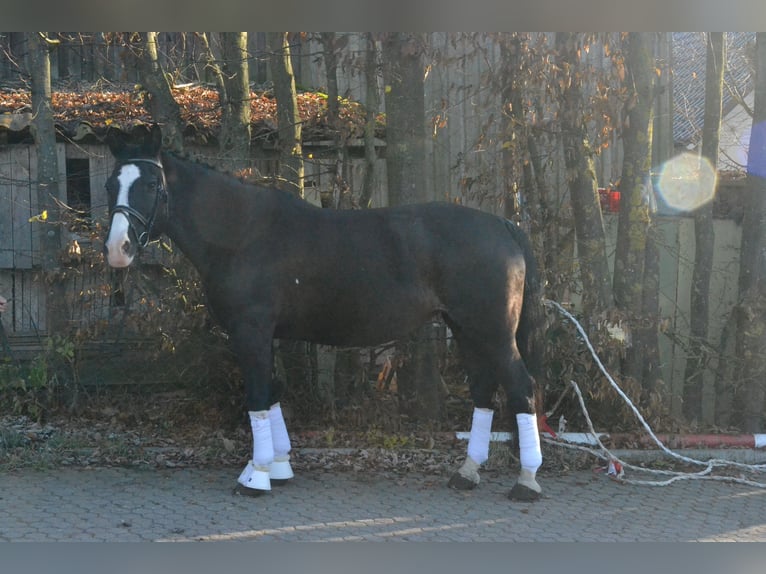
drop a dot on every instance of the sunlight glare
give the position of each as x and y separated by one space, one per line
687 182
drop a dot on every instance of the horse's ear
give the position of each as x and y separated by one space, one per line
153 140
116 140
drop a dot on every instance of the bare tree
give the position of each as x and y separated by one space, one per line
341 193
752 275
697 359
581 178
159 98
44 133
419 380
371 91
234 93
288 117
630 272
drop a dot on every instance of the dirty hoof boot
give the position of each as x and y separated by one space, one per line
240 490
526 488
459 482
521 493
467 477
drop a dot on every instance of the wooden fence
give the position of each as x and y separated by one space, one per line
463 164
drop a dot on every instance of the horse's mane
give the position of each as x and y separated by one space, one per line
227 178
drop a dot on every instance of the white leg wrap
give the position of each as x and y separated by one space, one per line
279 436
263 447
481 426
256 473
529 443
280 469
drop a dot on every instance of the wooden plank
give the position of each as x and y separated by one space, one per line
101 166
33 317
6 209
61 165
6 290
22 206
15 285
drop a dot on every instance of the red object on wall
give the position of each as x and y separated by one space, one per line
610 199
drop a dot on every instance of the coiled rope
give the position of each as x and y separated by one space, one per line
605 454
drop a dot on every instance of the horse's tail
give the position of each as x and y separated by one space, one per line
531 331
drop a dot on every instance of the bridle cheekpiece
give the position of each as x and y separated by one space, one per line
148 224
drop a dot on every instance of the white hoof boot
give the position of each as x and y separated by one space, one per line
280 469
255 477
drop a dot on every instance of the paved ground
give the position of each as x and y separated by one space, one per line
197 504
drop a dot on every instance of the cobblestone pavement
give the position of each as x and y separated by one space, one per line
122 504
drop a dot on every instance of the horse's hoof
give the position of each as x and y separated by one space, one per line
521 493
240 490
459 482
279 481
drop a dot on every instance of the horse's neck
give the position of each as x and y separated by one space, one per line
208 217
192 223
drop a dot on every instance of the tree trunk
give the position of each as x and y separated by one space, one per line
159 99
634 218
288 118
341 191
370 155
419 380
752 276
704 239
44 134
647 331
348 375
294 354
234 94
583 187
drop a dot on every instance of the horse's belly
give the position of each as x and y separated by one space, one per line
359 323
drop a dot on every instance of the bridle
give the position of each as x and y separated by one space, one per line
128 212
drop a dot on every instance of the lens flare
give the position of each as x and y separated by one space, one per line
687 182
756 164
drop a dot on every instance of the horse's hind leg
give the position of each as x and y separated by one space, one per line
519 388
482 384
486 366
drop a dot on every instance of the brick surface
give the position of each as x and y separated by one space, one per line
122 504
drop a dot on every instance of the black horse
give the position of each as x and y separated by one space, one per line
273 265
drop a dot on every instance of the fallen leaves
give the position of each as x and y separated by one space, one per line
199 107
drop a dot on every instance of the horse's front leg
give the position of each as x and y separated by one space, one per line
271 443
467 476
280 470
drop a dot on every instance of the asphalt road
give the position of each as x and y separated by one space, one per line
124 504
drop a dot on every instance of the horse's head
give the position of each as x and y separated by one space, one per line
137 196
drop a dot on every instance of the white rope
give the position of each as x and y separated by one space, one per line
676 476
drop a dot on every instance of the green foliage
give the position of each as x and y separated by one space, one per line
31 388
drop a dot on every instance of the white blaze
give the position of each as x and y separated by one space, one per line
118 231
